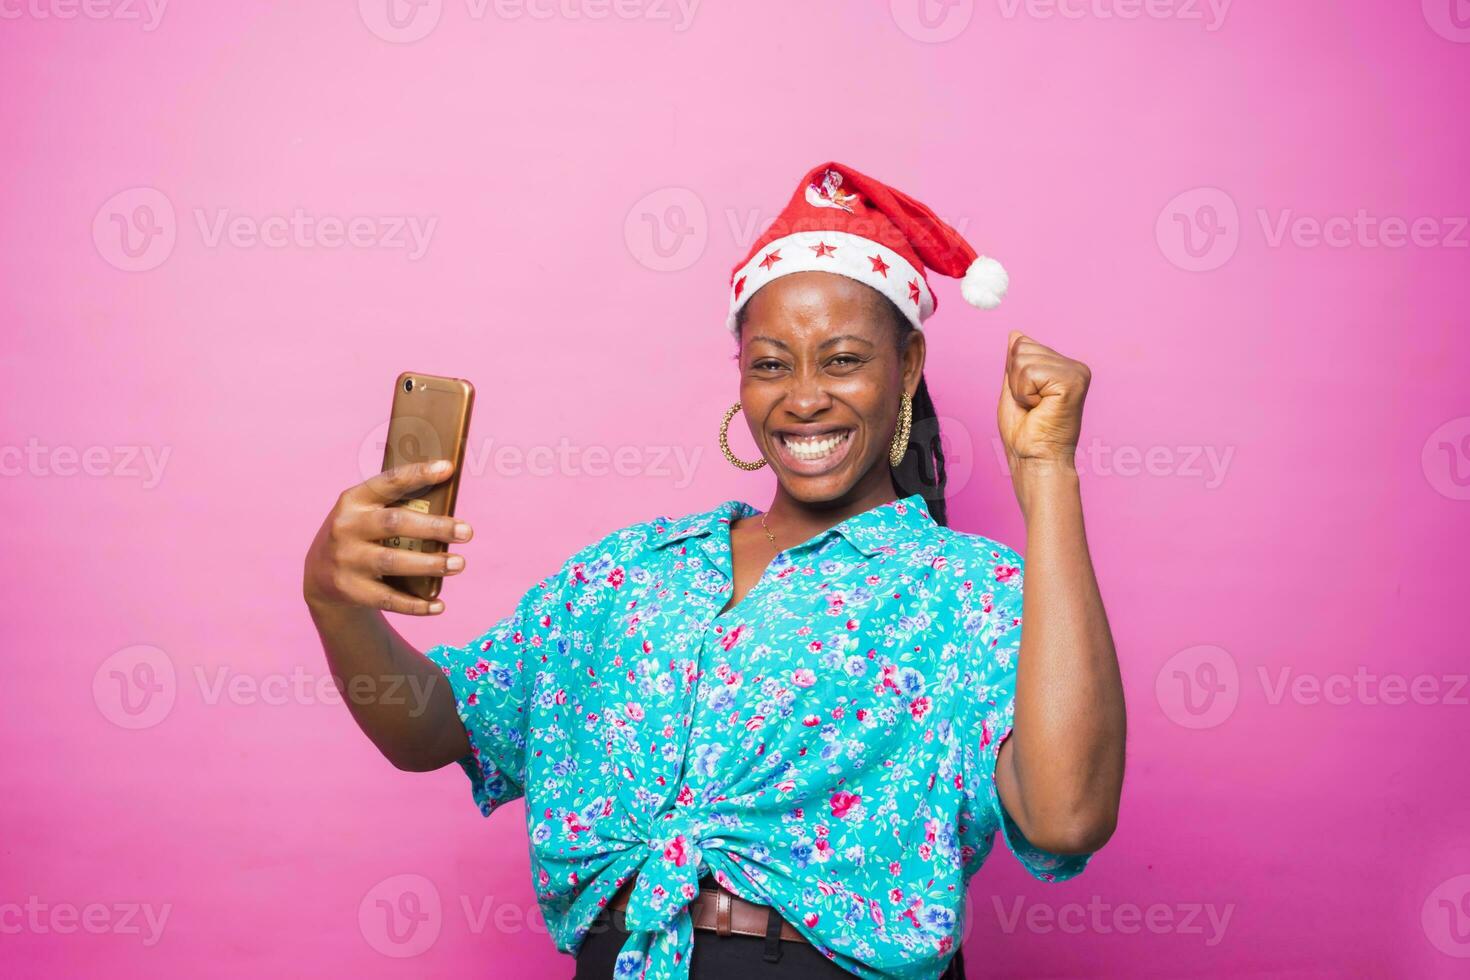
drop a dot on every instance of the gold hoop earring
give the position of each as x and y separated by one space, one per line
725 443
901 433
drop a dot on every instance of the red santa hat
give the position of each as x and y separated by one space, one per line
845 222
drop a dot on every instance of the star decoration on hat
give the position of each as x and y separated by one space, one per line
914 290
739 287
771 259
879 266
822 249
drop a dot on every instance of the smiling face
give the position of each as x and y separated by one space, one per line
821 374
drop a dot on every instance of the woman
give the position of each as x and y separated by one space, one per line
780 743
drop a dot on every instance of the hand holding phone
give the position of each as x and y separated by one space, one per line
384 544
347 562
430 420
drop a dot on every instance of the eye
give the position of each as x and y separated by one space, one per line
765 364
845 360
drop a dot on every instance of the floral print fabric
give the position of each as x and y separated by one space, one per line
826 746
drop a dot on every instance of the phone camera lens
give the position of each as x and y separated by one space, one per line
408 384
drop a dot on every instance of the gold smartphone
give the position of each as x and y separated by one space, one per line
430 420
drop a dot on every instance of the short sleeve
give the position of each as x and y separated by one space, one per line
997 653
493 679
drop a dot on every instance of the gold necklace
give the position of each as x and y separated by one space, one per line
771 537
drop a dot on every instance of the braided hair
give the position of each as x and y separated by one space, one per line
922 468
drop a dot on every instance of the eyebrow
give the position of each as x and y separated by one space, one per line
826 343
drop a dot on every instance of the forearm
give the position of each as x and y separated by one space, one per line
1066 756
398 697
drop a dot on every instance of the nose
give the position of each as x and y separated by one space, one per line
806 395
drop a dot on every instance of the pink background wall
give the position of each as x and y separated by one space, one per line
1277 445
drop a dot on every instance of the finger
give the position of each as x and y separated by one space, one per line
1024 380
1006 395
388 522
391 600
373 594
382 561
1012 387
1022 344
401 481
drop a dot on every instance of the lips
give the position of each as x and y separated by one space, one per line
815 447
813 452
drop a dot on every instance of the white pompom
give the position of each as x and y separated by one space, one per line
985 283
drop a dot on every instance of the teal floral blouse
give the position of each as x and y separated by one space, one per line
827 746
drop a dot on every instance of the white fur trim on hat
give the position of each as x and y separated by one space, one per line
985 283
845 254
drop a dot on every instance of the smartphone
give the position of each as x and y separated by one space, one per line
430 420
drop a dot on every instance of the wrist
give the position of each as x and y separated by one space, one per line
1042 482
322 608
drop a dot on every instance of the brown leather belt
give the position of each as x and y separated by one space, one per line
719 911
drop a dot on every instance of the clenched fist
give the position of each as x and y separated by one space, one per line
1041 405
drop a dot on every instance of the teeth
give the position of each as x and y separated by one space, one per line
814 447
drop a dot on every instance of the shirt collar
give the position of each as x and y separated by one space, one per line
880 527
698 525
869 532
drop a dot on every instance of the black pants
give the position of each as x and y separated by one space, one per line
719 957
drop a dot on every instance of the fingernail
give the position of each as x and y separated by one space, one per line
454 563
461 532
440 466
436 607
